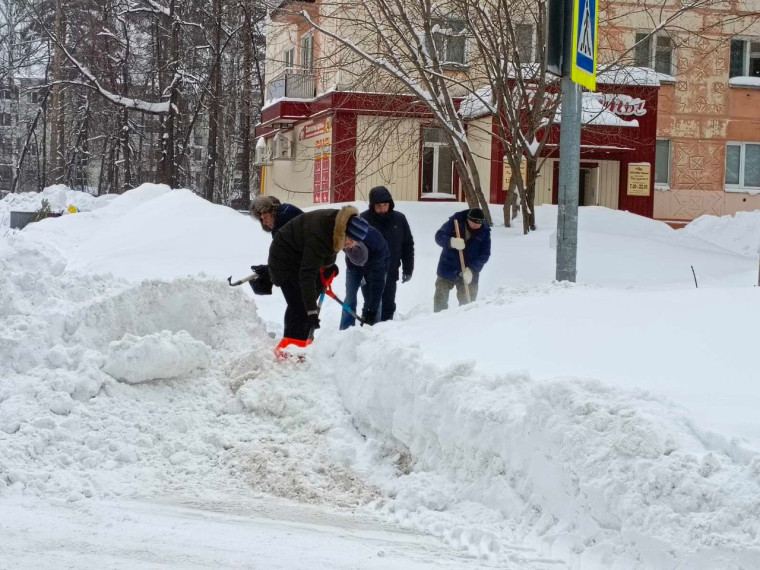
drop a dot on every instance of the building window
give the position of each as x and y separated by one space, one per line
662 163
197 154
450 41
307 52
745 58
743 165
655 52
8 93
5 119
289 58
437 164
525 41
6 177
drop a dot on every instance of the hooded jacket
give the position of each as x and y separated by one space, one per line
476 252
306 244
395 230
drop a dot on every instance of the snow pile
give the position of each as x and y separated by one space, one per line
739 233
136 359
59 197
574 463
116 388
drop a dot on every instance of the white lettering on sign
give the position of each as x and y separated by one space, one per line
624 104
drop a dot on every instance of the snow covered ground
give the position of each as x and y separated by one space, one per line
145 423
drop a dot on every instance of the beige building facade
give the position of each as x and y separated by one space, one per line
323 138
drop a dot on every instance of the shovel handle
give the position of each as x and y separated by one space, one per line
461 262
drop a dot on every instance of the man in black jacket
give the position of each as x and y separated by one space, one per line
299 250
395 229
272 214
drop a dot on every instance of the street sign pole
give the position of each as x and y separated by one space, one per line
569 166
578 68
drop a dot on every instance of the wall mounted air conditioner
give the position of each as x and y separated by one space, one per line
283 148
263 154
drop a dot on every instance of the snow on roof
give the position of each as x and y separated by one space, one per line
477 104
629 75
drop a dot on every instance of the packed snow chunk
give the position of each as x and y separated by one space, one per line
137 359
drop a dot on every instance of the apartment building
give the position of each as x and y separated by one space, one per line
672 133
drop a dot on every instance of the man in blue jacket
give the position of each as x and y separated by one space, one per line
475 242
395 229
366 267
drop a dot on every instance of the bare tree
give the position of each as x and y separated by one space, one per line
403 43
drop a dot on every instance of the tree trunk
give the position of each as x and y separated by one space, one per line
214 115
57 119
245 190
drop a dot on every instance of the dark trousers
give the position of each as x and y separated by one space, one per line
296 319
389 300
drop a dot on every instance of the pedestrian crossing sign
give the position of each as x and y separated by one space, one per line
585 23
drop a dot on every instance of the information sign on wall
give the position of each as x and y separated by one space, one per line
639 178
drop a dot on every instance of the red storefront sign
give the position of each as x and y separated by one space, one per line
316 129
322 171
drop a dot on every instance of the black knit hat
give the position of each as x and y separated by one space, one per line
476 216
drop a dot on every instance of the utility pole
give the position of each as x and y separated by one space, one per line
578 68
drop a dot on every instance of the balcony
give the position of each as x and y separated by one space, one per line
294 83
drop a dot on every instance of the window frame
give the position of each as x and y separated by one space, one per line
652 50
657 184
307 37
746 55
446 23
534 51
740 187
436 146
289 58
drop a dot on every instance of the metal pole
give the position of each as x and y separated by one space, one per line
569 162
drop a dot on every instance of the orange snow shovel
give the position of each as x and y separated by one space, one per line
461 262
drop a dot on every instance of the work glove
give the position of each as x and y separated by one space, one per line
313 317
456 243
467 275
330 272
369 317
406 277
262 284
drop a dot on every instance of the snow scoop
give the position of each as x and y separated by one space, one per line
461 262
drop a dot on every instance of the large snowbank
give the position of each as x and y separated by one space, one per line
574 462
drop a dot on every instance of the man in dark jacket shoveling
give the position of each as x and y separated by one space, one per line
299 250
383 216
272 214
475 242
